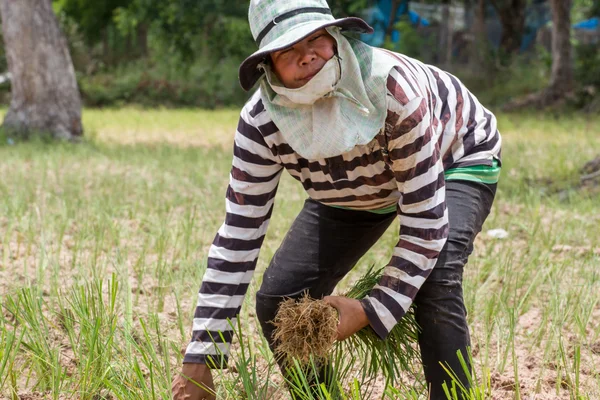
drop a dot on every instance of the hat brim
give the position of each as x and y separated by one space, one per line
249 73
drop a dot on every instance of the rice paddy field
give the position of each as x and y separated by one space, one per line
103 245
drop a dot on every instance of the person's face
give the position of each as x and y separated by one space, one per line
299 63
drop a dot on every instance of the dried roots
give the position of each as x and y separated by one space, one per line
305 328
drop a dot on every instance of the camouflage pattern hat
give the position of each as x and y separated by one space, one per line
278 24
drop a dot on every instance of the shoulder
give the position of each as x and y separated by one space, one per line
255 113
253 107
406 80
255 122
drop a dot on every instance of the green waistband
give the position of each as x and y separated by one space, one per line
476 173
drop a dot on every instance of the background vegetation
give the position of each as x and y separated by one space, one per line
186 53
103 243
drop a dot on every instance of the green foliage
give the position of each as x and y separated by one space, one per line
587 67
346 8
585 9
133 219
497 87
392 356
186 52
206 85
191 28
587 76
92 16
205 43
3 64
412 43
457 391
195 50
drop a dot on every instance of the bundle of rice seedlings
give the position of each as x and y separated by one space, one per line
308 328
305 328
391 356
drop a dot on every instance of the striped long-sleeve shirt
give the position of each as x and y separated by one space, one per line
433 124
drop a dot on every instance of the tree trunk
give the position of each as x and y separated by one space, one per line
468 17
561 80
392 22
480 21
44 93
444 34
512 18
595 10
480 37
142 39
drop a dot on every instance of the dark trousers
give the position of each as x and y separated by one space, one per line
324 243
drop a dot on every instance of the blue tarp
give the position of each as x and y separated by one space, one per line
379 18
591 24
537 16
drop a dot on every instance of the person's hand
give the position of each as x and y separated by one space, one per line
184 387
351 314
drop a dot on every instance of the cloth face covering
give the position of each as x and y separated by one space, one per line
332 115
318 87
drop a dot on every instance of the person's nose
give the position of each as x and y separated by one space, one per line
307 56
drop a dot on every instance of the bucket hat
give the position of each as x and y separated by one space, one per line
278 24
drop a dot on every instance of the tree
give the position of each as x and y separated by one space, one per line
480 33
44 93
445 34
561 80
345 8
94 21
512 17
92 16
392 22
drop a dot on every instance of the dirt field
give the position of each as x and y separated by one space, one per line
103 246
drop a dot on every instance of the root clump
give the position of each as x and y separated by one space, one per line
304 328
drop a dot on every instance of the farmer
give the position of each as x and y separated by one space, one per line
370 135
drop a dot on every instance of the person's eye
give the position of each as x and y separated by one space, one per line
283 53
316 37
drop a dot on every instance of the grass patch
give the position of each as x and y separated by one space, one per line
103 245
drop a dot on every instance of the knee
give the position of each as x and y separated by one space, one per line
440 295
442 282
268 300
266 307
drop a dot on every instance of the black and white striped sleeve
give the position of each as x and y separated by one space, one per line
232 258
419 172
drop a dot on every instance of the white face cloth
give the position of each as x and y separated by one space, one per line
332 113
319 86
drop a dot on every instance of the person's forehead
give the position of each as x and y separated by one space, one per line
319 32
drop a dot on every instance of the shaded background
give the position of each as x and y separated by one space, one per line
186 52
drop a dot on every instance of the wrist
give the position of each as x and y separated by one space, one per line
374 319
363 316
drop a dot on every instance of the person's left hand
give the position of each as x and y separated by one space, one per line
351 314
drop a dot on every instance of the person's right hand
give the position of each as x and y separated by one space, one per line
184 388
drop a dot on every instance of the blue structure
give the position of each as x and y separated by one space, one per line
591 24
379 16
537 16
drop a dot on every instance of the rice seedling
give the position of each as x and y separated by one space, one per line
391 356
103 245
477 390
306 333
